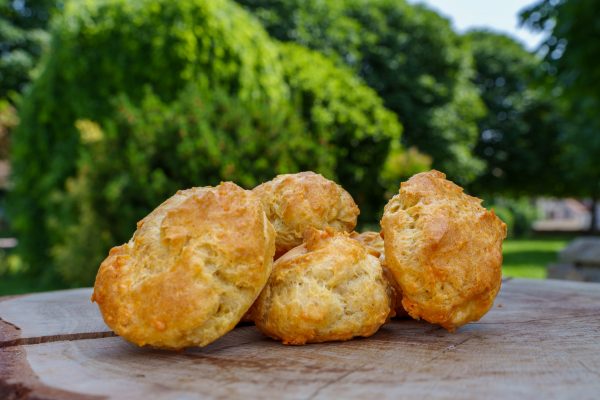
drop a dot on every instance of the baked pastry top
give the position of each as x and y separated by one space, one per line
444 249
374 244
295 202
194 266
329 288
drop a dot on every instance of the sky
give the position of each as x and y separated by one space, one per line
499 15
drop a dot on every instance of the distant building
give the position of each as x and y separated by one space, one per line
568 215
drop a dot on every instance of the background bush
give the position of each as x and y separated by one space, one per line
507 217
408 54
349 118
148 151
519 214
138 99
23 37
521 133
100 50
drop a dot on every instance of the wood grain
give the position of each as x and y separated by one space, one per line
50 316
541 340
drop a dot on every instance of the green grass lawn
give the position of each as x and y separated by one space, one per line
529 257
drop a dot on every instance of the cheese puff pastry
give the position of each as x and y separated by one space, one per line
444 249
193 268
373 242
329 288
295 202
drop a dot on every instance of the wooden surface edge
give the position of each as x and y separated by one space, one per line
12 296
19 382
38 318
17 379
8 332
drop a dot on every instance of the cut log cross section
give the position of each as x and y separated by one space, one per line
541 340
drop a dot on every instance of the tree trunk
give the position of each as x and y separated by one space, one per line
593 214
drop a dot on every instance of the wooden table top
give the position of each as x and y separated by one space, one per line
540 340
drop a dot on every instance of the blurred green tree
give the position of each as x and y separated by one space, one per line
148 52
349 118
571 50
23 36
135 160
520 137
101 49
409 54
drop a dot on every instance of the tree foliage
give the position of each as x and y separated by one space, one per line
520 135
349 118
571 46
22 38
408 54
100 50
86 166
133 161
571 49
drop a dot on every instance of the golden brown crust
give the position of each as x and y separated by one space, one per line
373 242
295 202
192 269
329 288
444 249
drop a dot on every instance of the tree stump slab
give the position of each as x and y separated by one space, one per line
540 340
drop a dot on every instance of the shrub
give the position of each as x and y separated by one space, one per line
138 99
519 214
408 54
338 128
525 214
401 164
349 117
506 215
22 40
522 136
133 162
101 49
